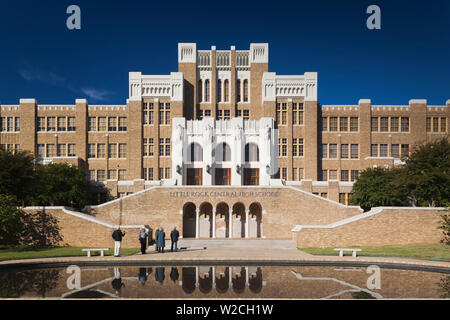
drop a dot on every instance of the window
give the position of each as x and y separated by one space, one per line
100 175
223 152
196 152
50 150
200 91
219 90
297 174
405 150
71 150
91 175
283 151
354 153
101 124
101 150
161 173
238 90
147 114
51 125
164 147
62 124
344 175
226 90
324 123
92 124
16 124
443 124
3 124
435 124
297 147
219 115
354 127
147 173
278 113
383 150
122 150
384 124
164 113
323 175
41 150
167 146
342 198
284 113
245 90
354 175
284 173
226 115
333 151
91 150
61 150
344 151
122 174
332 175
251 152
343 124
167 173
297 113
207 90
333 124
207 113
112 174
71 124
10 124
395 151
246 114
112 150
374 124
374 150
405 124
40 124
394 124
324 151
122 124
112 124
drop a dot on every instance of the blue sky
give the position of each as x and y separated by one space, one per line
409 58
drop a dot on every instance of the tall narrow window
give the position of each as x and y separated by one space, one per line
435 124
284 113
101 123
251 152
354 153
122 150
122 123
200 91
238 90
344 151
384 124
324 123
223 152
61 150
226 90
51 125
71 150
405 124
333 124
112 150
374 124
71 124
196 151
332 151
61 123
207 90
343 124
16 124
394 124
443 124
112 123
245 90
92 124
219 90
354 124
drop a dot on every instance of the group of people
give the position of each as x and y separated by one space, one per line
143 239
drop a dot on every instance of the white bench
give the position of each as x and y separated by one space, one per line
102 250
341 251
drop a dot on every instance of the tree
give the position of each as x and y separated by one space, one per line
62 185
11 220
426 174
445 226
375 187
17 176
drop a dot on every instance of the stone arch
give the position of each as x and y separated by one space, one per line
223 152
255 220
205 216
189 220
205 279
195 152
222 220
239 281
255 281
238 220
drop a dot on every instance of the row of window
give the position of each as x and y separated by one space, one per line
330 151
104 124
100 175
148 117
341 124
11 148
51 123
50 150
397 150
115 150
223 114
148 147
282 110
436 124
10 124
332 174
389 124
163 173
223 90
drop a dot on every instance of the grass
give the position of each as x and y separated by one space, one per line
21 252
434 251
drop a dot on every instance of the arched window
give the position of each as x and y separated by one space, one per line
195 152
251 152
207 90
245 90
226 90
223 152
219 90
238 90
200 91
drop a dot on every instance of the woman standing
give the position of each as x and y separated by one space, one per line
160 240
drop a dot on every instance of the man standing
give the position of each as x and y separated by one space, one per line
160 240
143 240
174 235
117 236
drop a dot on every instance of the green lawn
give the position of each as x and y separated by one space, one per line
13 253
435 251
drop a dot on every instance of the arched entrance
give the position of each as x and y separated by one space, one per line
189 220
255 220
206 225
222 218
238 220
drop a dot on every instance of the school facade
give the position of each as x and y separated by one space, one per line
223 121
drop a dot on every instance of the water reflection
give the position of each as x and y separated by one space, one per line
317 282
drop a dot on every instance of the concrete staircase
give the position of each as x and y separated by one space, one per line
236 243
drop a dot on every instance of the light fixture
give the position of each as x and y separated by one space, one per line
208 168
238 169
178 169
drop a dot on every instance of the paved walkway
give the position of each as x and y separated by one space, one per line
230 255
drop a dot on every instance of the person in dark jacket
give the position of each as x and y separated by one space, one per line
174 235
156 237
143 240
117 235
160 240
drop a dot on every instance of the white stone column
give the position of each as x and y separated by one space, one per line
197 222
196 277
230 223
246 222
213 222
246 277
213 277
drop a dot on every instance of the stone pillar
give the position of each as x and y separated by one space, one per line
246 222
197 222
213 222
213 277
230 223
196 277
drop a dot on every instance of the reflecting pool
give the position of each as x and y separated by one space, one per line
224 282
